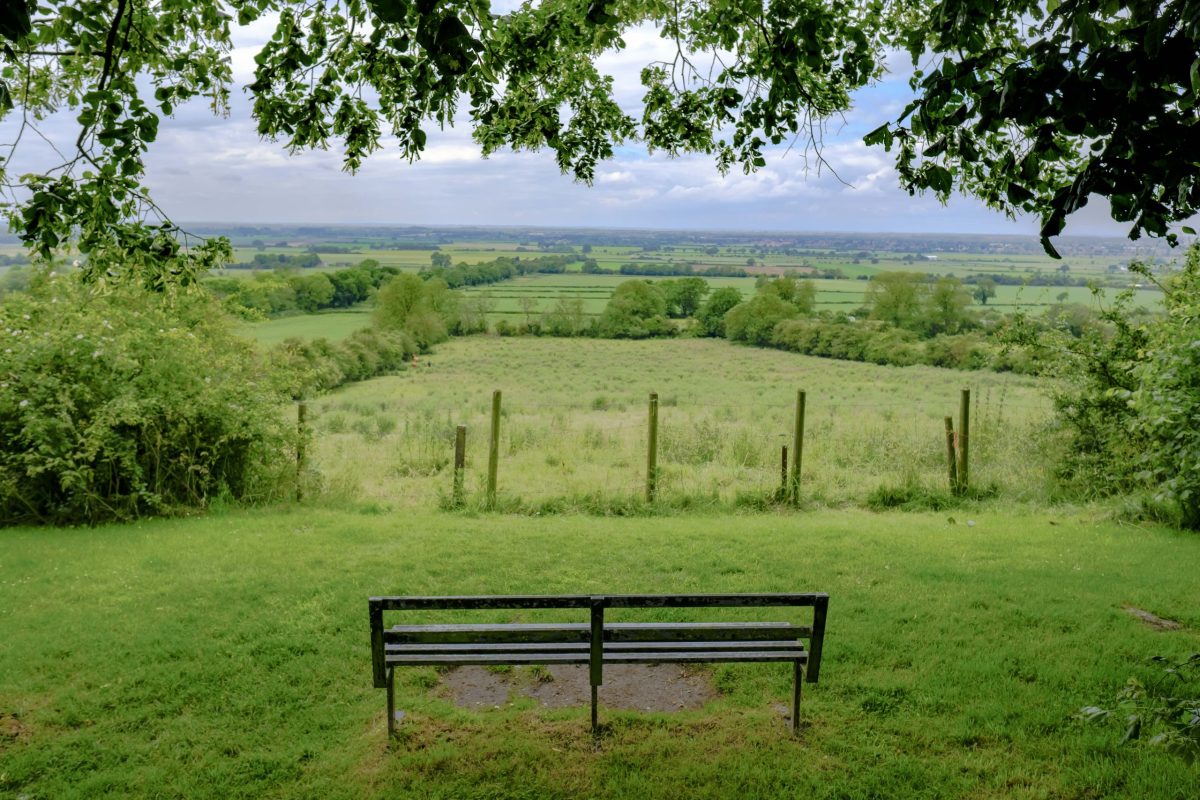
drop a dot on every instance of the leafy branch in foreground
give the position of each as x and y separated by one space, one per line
1031 107
1164 712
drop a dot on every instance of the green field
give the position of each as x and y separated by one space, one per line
227 657
540 293
575 417
332 325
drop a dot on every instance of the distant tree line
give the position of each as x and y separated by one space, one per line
282 291
279 261
907 318
500 269
669 268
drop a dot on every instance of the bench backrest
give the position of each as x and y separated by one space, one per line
594 631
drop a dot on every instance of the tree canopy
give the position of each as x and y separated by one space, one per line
1030 106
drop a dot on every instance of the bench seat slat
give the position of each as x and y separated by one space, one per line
514 659
623 657
580 632
701 656
582 647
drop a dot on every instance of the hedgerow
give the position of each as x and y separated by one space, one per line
126 403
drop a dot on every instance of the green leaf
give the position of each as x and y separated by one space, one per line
939 178
15 23
881 135
393 11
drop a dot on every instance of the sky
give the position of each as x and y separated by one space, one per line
205 168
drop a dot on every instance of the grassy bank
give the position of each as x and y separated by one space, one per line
227 657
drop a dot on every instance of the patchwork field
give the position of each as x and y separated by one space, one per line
227 657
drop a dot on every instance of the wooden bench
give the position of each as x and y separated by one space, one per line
595 642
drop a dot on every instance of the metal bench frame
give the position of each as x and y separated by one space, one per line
595 643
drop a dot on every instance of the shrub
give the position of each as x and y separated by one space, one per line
1167 399
129 403
711 315
636 310
754 321
313 366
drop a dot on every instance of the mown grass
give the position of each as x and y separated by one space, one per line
227 657
574 426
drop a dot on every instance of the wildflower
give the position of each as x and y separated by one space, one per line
23 403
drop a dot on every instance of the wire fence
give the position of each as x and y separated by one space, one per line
593 452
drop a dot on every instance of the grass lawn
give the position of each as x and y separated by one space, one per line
227 657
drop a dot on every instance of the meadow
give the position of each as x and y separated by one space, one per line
574 426
226 657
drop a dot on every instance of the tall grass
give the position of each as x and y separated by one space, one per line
574 425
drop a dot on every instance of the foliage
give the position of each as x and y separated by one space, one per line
1167 399
754 320
281 291
896 298
946 308
1038 107
125 404
1166 710
1097 378
636 310
310 367
802 294
683 295
1030 107
711 315
427 310
984 290
500 269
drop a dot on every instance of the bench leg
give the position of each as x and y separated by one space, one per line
595 712
391 703
797 677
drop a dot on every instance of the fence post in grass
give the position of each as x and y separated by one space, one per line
493 451
951 455
783 474
301 438
797 448
460 463
964 439
652 451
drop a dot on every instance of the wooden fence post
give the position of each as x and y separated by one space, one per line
964 440
797 448
493 451
460 463
652 451
301 441
951 455
783 473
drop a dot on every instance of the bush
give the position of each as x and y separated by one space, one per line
309 367
1167 400
636 310
754 321
129 403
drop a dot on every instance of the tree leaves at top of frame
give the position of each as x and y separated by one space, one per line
15 21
